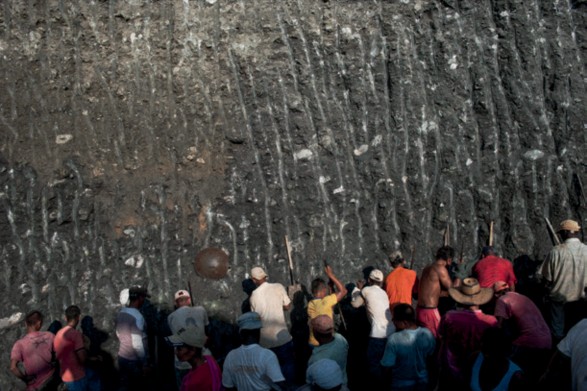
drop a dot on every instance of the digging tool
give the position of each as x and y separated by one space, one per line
551 232
293 288
447 235
412 257
190 292
490 243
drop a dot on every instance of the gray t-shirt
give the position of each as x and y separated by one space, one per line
565 268
336 350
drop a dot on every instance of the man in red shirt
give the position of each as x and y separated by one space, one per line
491 269
70 351
205 374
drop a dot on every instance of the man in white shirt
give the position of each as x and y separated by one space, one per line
270 300
377 304
565 274
574 346
251 367
133 349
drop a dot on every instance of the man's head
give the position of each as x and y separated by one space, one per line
72 315
137 296
34 320
396 259
258 275
569 229
249 325
404 316
323 328
500 288
188 343
319 288
445 253
470 294
376 277
324 375
487 251
182 298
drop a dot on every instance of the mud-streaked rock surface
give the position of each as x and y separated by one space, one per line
134 134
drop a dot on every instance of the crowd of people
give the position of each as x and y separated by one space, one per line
396 332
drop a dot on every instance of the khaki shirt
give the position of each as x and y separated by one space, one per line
565 269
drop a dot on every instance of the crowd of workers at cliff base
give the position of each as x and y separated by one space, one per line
503 326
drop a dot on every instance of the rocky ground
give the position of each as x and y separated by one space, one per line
134 134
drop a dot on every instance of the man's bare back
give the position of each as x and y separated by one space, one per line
434 283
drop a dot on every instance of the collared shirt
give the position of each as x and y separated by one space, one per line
565 268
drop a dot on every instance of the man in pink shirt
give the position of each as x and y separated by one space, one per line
519 315
460 331
31 356
70 351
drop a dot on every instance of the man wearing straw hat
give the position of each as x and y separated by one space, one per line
565 275
461 330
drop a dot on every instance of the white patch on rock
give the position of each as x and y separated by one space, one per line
361 150
534 154
376 140
338 190
11 320
469 162
405 179
135 261
324 179
63 138
303 154
453 62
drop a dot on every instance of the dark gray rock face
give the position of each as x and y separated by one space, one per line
135 133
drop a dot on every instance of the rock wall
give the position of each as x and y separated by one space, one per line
135 133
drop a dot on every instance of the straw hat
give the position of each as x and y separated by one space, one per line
471 293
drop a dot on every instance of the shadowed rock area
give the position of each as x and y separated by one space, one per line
133 134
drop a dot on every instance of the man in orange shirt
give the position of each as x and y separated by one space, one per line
69 349
401 282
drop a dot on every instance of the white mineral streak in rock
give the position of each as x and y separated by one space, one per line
534 154
338 190
45 288
404 179
200 160
63 138
11 320
376 140
361 150
324 179
453 62
469 162
303 154
135 261
211 1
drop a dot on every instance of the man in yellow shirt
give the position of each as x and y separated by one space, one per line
323 301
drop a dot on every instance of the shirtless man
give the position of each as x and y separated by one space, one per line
434 283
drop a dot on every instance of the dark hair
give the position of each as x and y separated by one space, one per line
72 312
317 285
568 234
395 262
33 317
404 312
487 250
250 336
445 253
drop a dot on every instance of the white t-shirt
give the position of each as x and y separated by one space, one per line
268 301
245 366
184 317
377 304
130 330
574 345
